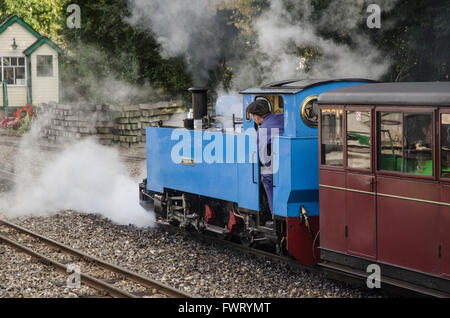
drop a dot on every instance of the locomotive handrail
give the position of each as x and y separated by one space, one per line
253 168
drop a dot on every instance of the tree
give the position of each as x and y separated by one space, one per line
106 47
45 16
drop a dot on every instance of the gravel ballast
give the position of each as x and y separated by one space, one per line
195 267
198 268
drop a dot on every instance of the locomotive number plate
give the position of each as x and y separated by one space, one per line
187 161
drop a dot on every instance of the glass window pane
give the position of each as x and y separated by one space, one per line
331 135
358 139
21 61
6 61
390 154
44 65
8 75
418 138
20 73
445 145
20 76
13 61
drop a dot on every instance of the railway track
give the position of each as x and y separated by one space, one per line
152 287
356 278
333 271
6 174
35 242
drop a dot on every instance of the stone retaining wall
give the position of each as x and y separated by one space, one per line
124 125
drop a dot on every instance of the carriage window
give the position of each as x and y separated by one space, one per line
406 142
358 139
390 154
445 146
418 138
331 135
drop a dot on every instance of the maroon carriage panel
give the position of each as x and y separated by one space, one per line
408 223
405 195
332 179
361 215
332 219
444 232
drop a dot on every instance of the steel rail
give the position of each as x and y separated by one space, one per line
332 271
86 279
6 174
137 278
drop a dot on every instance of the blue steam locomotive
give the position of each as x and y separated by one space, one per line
206 174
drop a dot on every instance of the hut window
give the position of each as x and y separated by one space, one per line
13 70
44 65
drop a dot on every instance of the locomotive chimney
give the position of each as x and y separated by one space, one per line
199 102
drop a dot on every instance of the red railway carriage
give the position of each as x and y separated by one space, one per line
384 180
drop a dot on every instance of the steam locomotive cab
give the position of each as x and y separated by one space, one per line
206 175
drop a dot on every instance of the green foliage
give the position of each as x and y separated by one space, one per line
107 47
420 42
45 16
242 13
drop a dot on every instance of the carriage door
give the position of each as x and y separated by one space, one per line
360 229
444 224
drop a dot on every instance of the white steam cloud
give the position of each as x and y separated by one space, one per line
98 82
182 28
278 31
85 177
192 29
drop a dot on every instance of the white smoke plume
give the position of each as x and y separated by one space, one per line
85 176
182 28
277 32
190 28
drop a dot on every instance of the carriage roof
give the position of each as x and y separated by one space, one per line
399 94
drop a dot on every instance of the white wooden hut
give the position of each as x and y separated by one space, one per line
30 65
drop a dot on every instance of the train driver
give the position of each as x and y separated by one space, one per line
268 124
